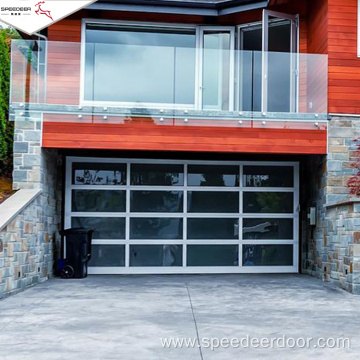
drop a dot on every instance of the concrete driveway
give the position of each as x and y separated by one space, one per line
124 317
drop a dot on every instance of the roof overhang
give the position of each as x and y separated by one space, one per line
187 7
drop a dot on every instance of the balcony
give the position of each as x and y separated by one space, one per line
97 83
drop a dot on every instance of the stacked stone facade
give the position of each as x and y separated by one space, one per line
30 241
331 249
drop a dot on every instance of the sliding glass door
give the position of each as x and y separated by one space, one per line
267 64
216 68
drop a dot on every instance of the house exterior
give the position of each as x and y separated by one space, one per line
192 136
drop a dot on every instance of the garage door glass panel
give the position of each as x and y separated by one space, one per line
104 228
268 176
98 201
156 255
213 202
98 174
156 228
212 229
213 175
269 202
272 229
156 201
212 255
268 255
107 255
157 174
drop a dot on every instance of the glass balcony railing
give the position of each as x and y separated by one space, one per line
167 85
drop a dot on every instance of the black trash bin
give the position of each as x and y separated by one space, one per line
78 252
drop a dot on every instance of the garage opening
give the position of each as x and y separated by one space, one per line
162 216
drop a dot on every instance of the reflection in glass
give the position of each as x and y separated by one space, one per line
107 255
268 176
212 255
269 202
156 255
268 255
98 174
156 201
104 228
156 228
277 229
213 175
212 229
213 202
98 201
157 174
250 80
279 67
144 56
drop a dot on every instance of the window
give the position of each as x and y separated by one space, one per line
193 67
140 65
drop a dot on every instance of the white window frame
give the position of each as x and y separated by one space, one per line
231 30
294 45
85 102
184 215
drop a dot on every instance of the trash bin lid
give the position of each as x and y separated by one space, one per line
75 231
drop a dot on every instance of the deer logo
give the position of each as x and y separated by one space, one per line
40 11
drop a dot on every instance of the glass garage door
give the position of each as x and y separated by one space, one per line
157 216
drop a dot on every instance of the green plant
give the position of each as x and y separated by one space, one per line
6 126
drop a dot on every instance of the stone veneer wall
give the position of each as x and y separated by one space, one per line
331 249
30 241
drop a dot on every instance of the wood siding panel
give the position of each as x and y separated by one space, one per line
64 62
182 138
344 65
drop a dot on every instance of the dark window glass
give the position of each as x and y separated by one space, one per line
269 176
156 255
213 229
156 201
277 229
104 228
107 255
269 202
98 200
268 255
144 56
212 255
213 202
98 174
156 228
213 175
157 174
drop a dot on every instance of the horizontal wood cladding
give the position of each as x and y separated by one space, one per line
344 65
147 136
